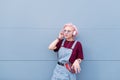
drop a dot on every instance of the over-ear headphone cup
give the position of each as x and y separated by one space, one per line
74 33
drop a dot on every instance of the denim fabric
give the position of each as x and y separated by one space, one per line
60 72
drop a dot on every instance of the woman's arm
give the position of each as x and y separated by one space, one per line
52 46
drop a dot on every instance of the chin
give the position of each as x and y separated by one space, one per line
67 38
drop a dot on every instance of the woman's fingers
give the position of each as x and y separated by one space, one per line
76 67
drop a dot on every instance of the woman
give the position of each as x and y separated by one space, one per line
70 53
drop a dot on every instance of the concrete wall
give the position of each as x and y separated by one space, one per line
27 27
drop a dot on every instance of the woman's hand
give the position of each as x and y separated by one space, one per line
61 35
76 66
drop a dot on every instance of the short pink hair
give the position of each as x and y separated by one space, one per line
72 25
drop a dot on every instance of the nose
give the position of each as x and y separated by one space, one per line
66 32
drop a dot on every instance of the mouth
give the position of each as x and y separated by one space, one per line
66 35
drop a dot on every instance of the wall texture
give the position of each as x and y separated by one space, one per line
28 26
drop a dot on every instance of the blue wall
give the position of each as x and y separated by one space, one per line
27 27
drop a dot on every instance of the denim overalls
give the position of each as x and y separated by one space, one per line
60 72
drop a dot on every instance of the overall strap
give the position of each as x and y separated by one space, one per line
63 42
74 44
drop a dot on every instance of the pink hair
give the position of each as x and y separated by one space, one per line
72 25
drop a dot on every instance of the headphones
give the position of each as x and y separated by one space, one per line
75 28
74 33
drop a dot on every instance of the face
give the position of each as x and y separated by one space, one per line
68 32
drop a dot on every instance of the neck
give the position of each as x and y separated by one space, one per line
70 39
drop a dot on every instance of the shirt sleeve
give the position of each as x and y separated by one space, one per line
80 51
58 45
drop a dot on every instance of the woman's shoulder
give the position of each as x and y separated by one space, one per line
78 43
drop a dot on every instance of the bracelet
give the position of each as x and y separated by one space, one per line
78 60
58 38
